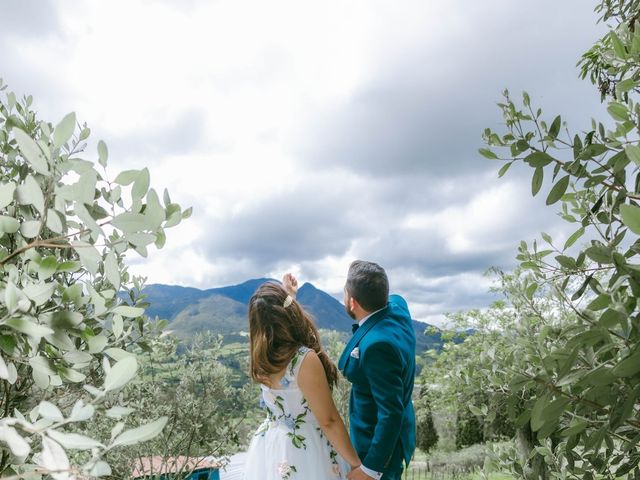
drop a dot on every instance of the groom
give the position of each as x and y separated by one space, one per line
379 361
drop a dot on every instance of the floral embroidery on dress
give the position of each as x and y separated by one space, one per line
285 470
288 416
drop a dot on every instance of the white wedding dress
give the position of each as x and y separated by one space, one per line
289 444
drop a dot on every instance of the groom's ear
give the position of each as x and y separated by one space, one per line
353 304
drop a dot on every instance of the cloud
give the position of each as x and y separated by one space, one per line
179 134
28 18
309 134
425 105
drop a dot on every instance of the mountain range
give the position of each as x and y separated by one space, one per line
224 310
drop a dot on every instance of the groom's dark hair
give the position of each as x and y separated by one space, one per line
368 284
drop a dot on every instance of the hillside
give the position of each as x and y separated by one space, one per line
224 310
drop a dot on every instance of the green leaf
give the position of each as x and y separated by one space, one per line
593 150
64 130
81 412
85 188
161 238
121 373
47 267
140 239
73 441
154 213
72 375
77 357
103 153
64 320
600 302
85 217
555 409
8 224
576 426
39 293
112 270
118 412
625 85
7 190
117 353
142 433
633 153
628 366
49 411
617 45
600 254
574 237
611 318
504 169
537 413
89 256
30 328
96 344
141 185
127 311
531 290
618 111
53 222
487 153
11 297
29 193
558 190
566 262
126 177
539 159
100 469
129 222
601 376
631 217
536 181
31 151
30 228
554 129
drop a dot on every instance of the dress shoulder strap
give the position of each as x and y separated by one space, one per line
296 362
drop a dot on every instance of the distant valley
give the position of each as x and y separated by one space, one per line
224 310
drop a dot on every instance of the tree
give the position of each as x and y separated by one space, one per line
66 332
193 391
426 435
582 367
469 428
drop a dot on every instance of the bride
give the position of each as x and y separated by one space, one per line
303 436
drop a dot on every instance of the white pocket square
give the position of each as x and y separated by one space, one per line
355 353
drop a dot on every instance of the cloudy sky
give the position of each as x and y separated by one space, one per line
307 134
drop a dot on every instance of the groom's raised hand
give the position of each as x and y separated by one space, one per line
358 474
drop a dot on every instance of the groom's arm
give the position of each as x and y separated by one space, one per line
383 368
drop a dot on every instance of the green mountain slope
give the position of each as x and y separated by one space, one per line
224 311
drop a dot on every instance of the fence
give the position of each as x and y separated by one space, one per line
424 471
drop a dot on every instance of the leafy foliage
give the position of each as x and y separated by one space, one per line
65 334
573 383
206 415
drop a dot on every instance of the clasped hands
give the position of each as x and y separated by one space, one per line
358 474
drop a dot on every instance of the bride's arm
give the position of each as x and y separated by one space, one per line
315 388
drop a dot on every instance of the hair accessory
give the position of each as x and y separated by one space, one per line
287 301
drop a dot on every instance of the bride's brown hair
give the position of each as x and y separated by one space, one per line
276 332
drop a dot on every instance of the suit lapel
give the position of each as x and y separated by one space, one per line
361 332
